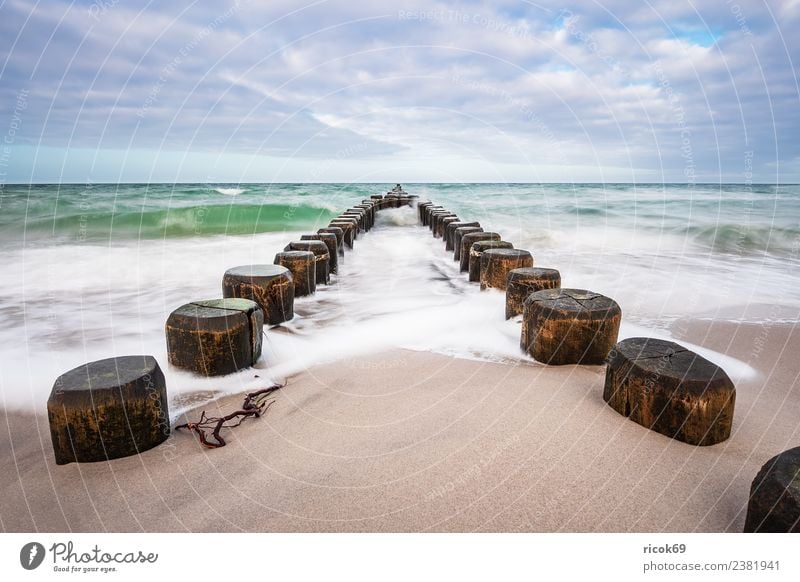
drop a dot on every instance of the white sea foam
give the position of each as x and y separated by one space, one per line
229 191
62 306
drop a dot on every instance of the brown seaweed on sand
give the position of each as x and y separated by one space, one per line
255 404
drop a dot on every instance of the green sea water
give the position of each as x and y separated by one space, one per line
738 218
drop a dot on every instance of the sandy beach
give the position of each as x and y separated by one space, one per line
380 270
414 441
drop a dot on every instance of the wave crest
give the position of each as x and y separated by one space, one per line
229 191
746 240
231 219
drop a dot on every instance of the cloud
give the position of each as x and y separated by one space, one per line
516 89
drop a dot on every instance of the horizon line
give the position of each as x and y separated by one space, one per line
90 183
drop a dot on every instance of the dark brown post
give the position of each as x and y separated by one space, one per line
271 286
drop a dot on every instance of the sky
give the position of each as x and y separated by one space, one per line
400 91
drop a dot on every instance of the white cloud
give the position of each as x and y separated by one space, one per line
507 83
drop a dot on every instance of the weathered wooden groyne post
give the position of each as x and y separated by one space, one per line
368 207
360 215
671 390
438 221
421 206
270 286
331 242
303 266
338 232
774 505
497 263
426 216
349 228
469 239
568 326
355 220
321 257
475 253
458 234
442 229
108 409
450 230
215 337
435 217
522 282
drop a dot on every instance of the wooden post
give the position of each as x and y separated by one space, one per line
496 264
349 227
357 216
421 206
774 505
108 409
350 219
215 337
458 234
339 233
302 264
270 286
443 225
428 211
569 326
437 222
370 214
363 213
435 216
449 233
523 282
321 257
671 390
330 241
475 253
467 241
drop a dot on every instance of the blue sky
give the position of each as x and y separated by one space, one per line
247 91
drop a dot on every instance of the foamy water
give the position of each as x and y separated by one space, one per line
63 305
229 191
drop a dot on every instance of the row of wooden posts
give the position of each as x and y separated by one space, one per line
195 343
659 384
118 406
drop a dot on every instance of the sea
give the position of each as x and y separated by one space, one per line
91 271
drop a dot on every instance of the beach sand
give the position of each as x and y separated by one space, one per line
414 441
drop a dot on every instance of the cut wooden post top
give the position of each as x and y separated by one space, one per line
315 246
107 374
296 256
693 373
263 271
479 246
213 308
532 275
569 299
